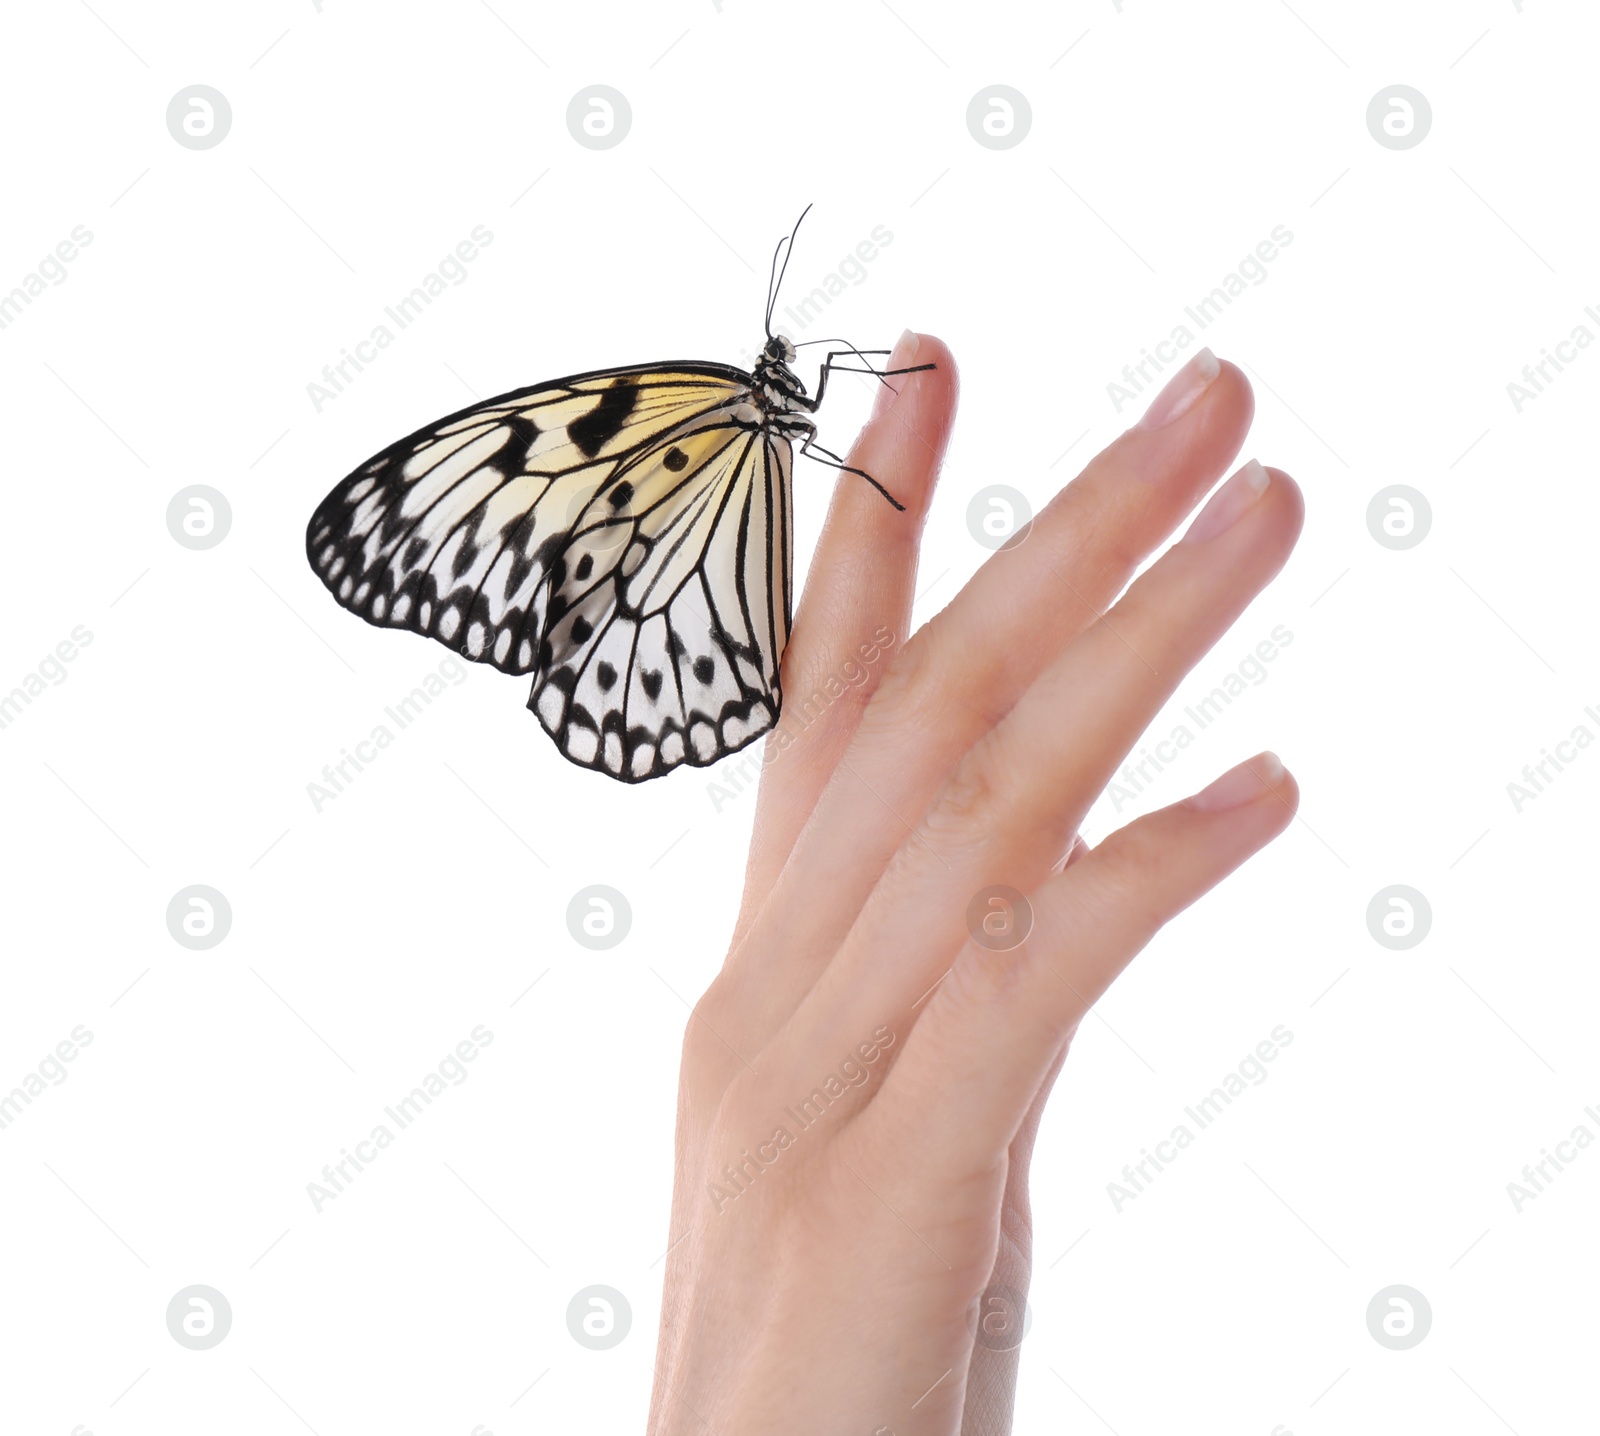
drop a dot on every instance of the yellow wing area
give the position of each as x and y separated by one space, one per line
452 532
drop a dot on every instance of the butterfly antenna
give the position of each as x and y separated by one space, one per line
772 291
772 283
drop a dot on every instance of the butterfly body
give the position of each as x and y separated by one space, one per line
779 393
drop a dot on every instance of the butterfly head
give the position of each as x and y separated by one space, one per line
779 350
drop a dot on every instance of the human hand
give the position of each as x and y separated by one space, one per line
862 1082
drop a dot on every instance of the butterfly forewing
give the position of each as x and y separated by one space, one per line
617 535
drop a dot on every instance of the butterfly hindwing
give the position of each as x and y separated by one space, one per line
663 643
617 535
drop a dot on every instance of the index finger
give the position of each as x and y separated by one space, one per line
856 611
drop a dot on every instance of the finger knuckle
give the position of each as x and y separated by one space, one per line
906 674
939 681
1128 878
973 790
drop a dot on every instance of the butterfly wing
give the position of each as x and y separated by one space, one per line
666 630
476 531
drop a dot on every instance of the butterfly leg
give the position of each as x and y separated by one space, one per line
829 367
812 449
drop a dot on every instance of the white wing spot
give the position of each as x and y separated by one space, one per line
524 652
449 621
502 645
402 606
378 605
425 614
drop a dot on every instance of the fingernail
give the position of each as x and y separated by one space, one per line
1241 785
1230 503
902 356
1181 391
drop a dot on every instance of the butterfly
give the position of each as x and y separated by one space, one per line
625 537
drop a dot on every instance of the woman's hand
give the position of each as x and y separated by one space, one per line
862 1082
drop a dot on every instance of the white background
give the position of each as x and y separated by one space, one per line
369 938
